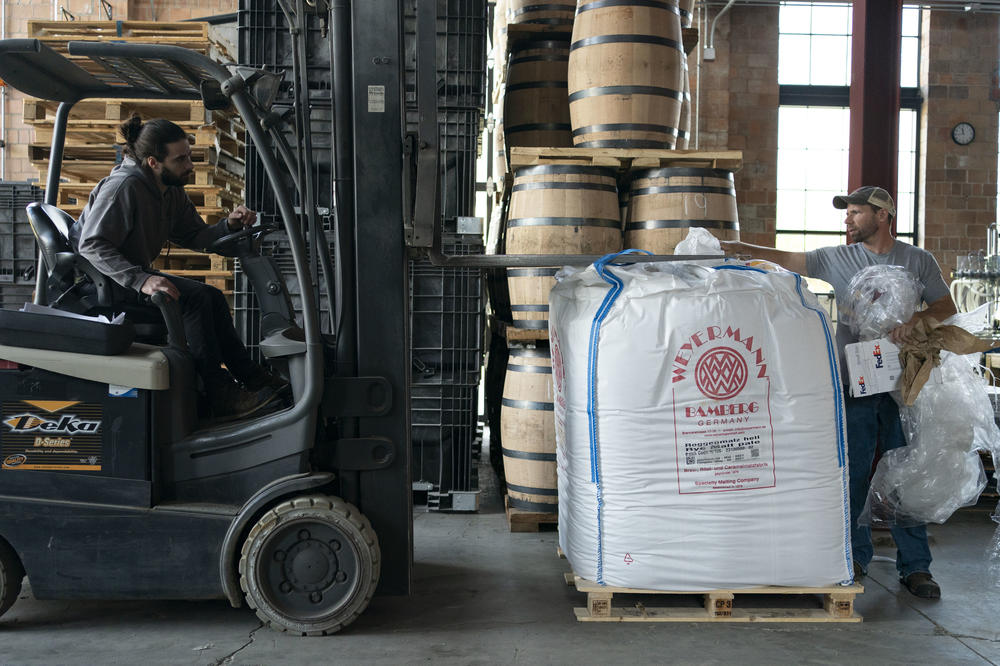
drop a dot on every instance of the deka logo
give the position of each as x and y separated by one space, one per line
721 371
67 423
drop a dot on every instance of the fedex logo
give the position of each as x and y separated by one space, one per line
877 353
862 387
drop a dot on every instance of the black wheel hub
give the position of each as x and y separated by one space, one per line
308 569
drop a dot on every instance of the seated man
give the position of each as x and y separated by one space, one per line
128 218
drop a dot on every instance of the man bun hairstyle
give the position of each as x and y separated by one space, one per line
150 138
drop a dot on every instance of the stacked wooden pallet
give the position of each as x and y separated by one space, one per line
93 145
194 35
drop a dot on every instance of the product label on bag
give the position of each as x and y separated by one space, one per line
722 413
52 435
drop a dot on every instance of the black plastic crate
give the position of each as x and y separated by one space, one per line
246 311
460 61
445 443
18 250
264 42
460 141
259 193
447 317
14 296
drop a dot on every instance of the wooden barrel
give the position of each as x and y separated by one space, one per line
557 209
536 107
563 209
665 203
686 8
529 296
499 44
684 124
547 12
528 431
624 74
500 152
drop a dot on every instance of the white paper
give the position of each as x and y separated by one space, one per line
46 310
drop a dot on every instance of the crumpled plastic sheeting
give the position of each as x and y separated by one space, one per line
699 241
939 470
880 299
993 553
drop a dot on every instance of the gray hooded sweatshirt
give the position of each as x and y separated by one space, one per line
127 220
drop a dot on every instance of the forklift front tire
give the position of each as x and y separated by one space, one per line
11 576
310 565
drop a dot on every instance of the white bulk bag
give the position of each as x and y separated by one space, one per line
700 428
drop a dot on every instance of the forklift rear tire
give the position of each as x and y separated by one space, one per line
310 565
11 576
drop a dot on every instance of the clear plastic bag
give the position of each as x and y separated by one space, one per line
880 299
939 470
699 241
993 553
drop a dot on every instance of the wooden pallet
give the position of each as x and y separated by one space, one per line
173 259
209 215
118 110
84 133
624 159
203 196
117 30
718 605
519 520
93 170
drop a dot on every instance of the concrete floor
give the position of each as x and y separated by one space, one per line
485 596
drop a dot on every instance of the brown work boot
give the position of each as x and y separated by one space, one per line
228 399
921 584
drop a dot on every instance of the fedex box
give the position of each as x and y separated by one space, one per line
873 367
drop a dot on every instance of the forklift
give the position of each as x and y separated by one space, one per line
111 487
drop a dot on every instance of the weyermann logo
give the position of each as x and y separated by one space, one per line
67 424
721 371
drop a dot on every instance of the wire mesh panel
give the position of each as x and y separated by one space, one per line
18 251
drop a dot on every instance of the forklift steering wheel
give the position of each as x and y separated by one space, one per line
246 232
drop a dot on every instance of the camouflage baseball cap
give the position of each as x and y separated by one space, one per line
868 194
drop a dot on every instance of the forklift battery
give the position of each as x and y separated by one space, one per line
56 423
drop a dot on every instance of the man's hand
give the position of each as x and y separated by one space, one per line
241 217
155 283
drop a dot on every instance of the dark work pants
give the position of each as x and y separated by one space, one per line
211 336
874 421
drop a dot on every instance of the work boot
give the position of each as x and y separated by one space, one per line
261 378
229 400
921 584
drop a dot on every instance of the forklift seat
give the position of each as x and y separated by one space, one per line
68 273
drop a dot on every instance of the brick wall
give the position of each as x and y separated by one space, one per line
739 111
19 12
958 197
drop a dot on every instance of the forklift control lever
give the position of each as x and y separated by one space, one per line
171 311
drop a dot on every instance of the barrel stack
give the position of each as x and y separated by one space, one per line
597 122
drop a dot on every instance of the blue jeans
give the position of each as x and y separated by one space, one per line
872 421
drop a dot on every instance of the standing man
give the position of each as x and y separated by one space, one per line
128 218
874 419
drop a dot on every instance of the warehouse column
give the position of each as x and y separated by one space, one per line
875 46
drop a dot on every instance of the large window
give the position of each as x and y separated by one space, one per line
814 73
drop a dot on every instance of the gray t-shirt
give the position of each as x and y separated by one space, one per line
839 263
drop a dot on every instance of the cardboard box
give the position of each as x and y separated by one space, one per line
873 367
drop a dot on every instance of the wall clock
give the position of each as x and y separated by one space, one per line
963 133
